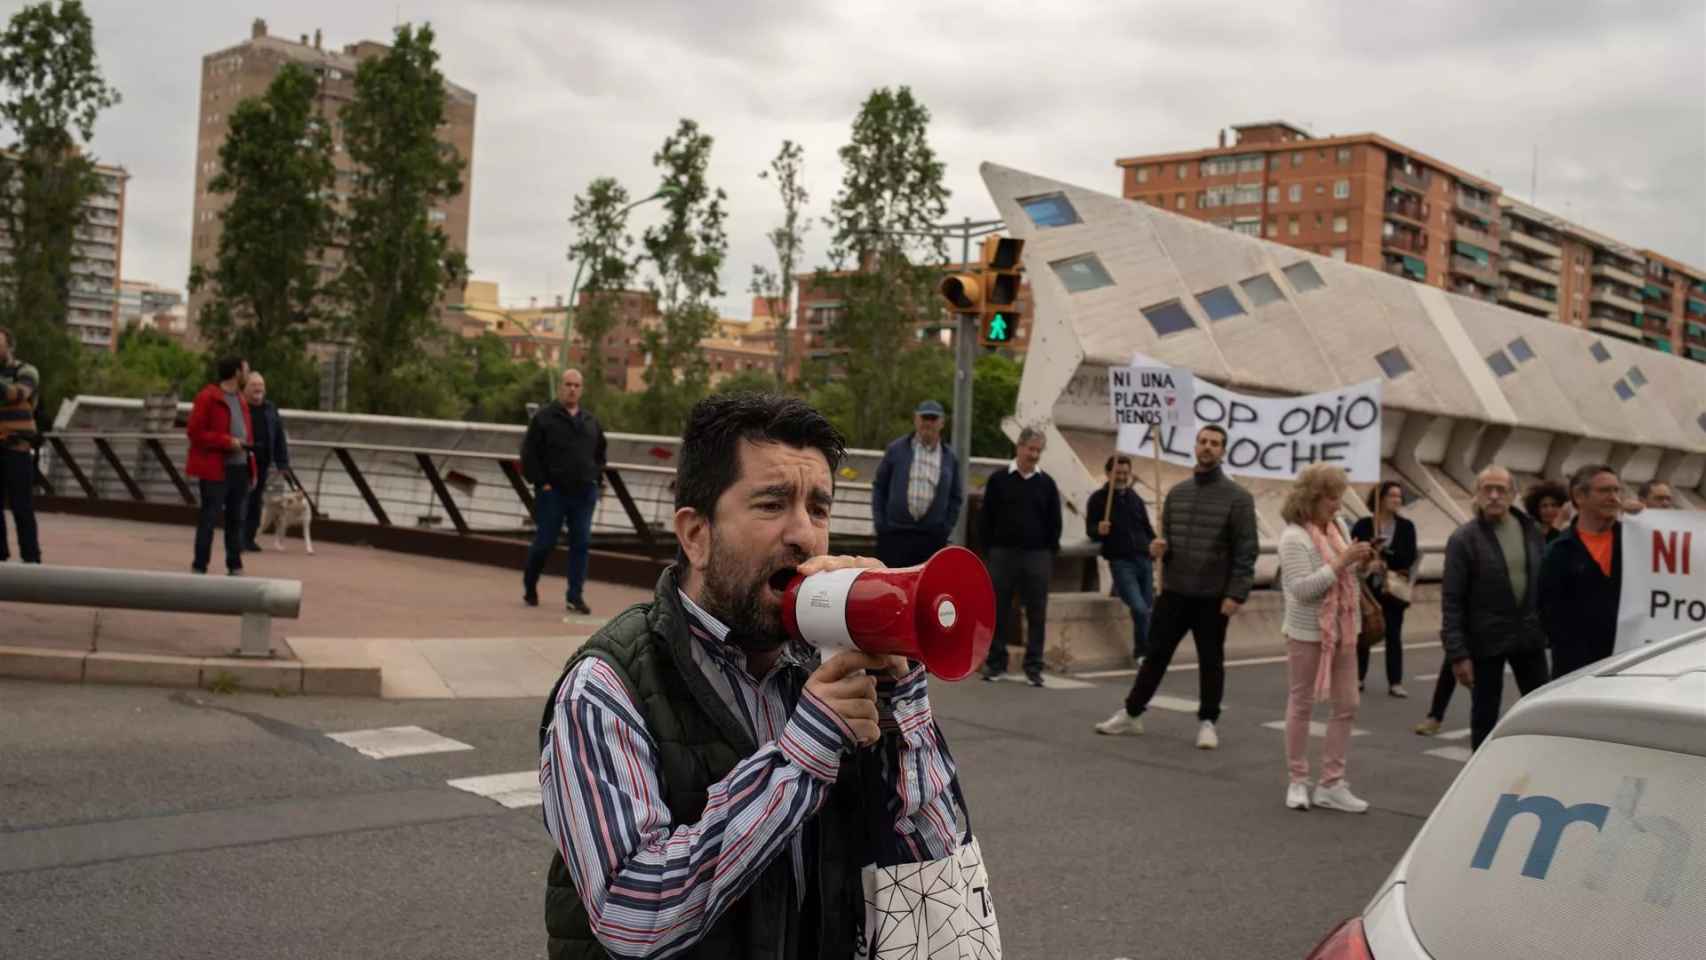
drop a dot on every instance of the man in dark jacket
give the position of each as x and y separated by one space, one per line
563 457
1125 536
1020 527
1581 579
20 395
1490 601
1208 550
219 429
916 496
711 789
271 448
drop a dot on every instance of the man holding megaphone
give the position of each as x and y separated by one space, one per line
712 784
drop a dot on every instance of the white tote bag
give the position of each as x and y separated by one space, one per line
937 910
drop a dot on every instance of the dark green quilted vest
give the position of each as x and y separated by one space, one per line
699 742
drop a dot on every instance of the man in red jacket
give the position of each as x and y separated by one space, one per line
219 431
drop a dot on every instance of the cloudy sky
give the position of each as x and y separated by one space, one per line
1612 93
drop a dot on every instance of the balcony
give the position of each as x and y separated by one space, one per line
1475 270
1529 271
1480 238
1417 183
1410 242
1408 209
1610 271
1695 333
1606 323
1696 308
1533 244
1610 297
1528 302
1476 204
1653 324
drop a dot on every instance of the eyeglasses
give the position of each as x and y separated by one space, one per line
930 417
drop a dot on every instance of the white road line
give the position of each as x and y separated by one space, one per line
512 790
388 742
1050 682
1453 734
1316 728
1460 754
1178 704
1246 662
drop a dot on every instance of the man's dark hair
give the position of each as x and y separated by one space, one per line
1378 493
709 463
1645 490
1217 428
1583 477
1544 490
1116 458
227 367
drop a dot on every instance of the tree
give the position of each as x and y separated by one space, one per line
51 92
747 381
498 387
788 241
146 361
995 395
601 246
891 186
686 252
276 166
397 263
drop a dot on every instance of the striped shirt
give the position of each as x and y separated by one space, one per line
17 417
652 887
926 473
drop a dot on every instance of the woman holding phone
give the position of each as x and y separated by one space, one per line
1392 577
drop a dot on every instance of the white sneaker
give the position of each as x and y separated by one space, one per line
1297 796
1121 723
1339 797
1207 739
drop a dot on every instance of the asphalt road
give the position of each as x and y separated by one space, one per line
151 823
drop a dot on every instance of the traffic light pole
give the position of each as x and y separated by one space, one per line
965 362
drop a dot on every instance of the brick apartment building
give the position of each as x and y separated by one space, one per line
92 302
236 73
1373 202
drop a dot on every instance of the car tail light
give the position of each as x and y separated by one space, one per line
1346 942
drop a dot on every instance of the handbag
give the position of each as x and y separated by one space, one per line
1397 586
939 909
1373 620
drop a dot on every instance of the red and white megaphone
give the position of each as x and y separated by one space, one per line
940 613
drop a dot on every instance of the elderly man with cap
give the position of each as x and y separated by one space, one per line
916 496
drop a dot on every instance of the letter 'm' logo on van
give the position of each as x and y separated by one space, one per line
1618 827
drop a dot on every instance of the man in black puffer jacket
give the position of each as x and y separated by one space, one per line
1490 601
1208 552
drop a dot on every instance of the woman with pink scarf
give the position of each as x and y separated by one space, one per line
1319 566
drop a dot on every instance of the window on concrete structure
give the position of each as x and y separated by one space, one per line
1624 391
1344 154
1500 363
1291 226
1303 276
1297 159
1261 290
1082 273
1168 318
1521 351
1274 162
1251 193
1339 253
1273 194
1050 210
1184 171
1295 194
1341 223
1219 303
1393 363
1320 221
1341 189
1273 227
1142 174
1636 377
1599 352
1179 202
1251 163
1320 189
1248 226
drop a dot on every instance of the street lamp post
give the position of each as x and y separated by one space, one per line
666 190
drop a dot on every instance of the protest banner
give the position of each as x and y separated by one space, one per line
1272 437
1664 577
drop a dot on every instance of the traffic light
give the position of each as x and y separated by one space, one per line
998 320
963 292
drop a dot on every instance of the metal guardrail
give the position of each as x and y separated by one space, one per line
257 600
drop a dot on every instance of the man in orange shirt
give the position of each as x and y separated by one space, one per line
1581 578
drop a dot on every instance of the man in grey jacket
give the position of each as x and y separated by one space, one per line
916 496
1208 550
1489 601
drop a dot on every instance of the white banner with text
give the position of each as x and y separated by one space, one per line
1664 576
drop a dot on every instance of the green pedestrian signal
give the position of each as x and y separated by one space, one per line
1000 330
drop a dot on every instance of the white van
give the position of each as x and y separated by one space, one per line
1577 830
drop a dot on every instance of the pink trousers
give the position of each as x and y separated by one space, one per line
1304 659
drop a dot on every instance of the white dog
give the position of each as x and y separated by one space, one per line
285 509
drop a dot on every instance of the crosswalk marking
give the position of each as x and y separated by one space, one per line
388 742
1459 754
512 790
1453 734
1050 682
1178 704
1316 728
